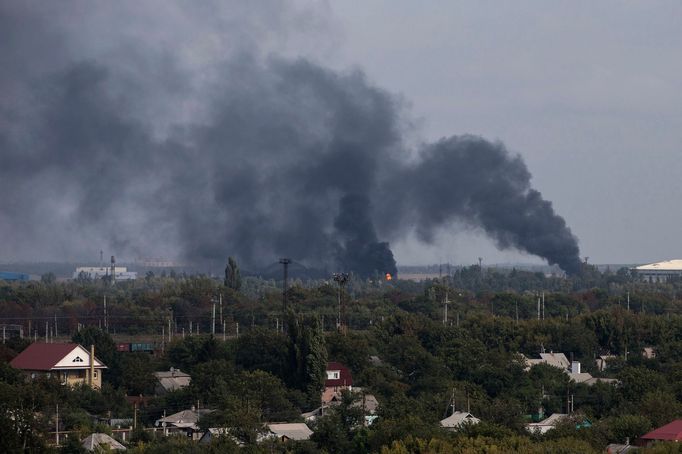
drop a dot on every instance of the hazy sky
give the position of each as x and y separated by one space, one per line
589 93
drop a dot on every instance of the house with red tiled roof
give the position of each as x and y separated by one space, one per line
338 379
70 363
670 432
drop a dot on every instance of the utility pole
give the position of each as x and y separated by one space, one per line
285 285
516 304
106 322
341 279
445 309
543 305
572 403
213 320
538 308
47 333
221 312
170 331
56 426
55 325
628 301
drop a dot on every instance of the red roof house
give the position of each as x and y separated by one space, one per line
69 362
670 432
338 379
338 375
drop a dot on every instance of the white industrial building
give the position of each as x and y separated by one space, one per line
121 273
660 271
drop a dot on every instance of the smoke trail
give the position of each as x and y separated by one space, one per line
263 158
468 178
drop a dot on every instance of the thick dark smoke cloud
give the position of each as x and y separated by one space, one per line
262 158
468 178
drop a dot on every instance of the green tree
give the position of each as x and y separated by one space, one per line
307 356
262 349
233 278
336 432
105 348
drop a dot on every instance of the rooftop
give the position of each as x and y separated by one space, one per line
173 379
345 378
668 265
671 432
44 357
292 431
99 441
458 418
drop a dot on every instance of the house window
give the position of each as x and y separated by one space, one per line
336 375
77 359
95 374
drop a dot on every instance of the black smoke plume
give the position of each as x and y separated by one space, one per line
269 157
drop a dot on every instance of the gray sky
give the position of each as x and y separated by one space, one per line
589 93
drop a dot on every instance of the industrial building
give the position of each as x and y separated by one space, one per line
11 276
121 273
660 271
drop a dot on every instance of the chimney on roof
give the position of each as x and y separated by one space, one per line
575 367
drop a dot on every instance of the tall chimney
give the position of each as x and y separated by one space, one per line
92 366
113 270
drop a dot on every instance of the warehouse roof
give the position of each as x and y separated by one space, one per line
668 265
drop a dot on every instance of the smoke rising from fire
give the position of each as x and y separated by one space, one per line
264 157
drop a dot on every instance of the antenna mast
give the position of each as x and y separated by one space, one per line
341 279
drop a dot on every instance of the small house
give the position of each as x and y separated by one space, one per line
171 380
338 379
72 364
458 419
670 432
183 422
289 431
99 442
546 424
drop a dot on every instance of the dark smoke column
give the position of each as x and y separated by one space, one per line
470 179
359 249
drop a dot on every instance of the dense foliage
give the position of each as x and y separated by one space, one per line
398 348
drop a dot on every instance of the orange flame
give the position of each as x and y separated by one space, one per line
388 276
